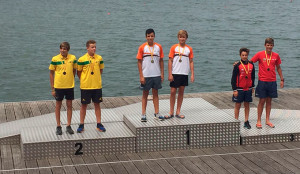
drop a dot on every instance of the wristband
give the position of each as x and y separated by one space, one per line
282 80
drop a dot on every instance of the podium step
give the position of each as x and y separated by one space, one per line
210 127
42 142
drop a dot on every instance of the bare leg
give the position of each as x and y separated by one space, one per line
172 100
69 111
57 112
247 110
98 112
237 110
180 99
144 101
155 100
260 108
82 113
268 109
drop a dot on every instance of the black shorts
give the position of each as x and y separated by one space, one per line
94 94
179 80
61 93
266 89
243 96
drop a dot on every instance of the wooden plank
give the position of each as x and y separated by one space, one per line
2 113
18 110
92 168
142 166
68 169
18 161
244 160
209 161
118 167
56 162
153 165
198 162
50 105
230 159
10 113
35 108
128 100
106 168
280 168
129 166
80 168
33 166
44 163
163 163
174 162
227 166
186 162
260 163
107 103
43 107
26 109
6 158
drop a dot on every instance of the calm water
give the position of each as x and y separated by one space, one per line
31 31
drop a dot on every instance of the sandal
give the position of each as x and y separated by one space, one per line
168 116
180 116
270 125
258 126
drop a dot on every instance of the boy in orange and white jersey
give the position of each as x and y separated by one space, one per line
179 66
151 69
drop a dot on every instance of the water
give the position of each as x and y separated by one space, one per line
31 31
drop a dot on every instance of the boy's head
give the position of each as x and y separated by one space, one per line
269 44
150 35
244 52
91 47
64 48
182 37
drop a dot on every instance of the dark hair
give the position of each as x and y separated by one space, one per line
65 44
149 31
244 50
90 42
269 40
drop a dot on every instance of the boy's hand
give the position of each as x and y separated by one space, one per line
235 93
142 80
252 90
53 93
281 84
192 79
162 78
171 79
235 63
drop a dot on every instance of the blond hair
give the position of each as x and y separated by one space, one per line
182 33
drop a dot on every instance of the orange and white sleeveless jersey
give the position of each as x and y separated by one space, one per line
181 59
151 57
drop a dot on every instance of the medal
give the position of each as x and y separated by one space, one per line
92 73
268 69
180 53
180 60
151 52
64 73
246 70
246 77
268 60
152 61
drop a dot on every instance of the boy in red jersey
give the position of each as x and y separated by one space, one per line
267 87
151 69
180 64
242 82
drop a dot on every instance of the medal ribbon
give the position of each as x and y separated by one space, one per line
268 60
180 55
92 64
151 52
64 62
246 70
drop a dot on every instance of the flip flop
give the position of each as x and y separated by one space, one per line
270 125
180 116
169 116
258 126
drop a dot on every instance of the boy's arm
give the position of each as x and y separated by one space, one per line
170 63
235 72
253 75
279 70
52 82
79 74
142 79
161 63
192 70
101 71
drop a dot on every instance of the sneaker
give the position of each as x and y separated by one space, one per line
144 118
69 130
100 127
247 125
80 128
159 116
58 130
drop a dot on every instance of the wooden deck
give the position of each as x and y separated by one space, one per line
264 158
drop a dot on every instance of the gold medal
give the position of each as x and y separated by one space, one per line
151 52
180 55
92 73
268 69
152 61
64 73
246 70
180 60
268 60
246 77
